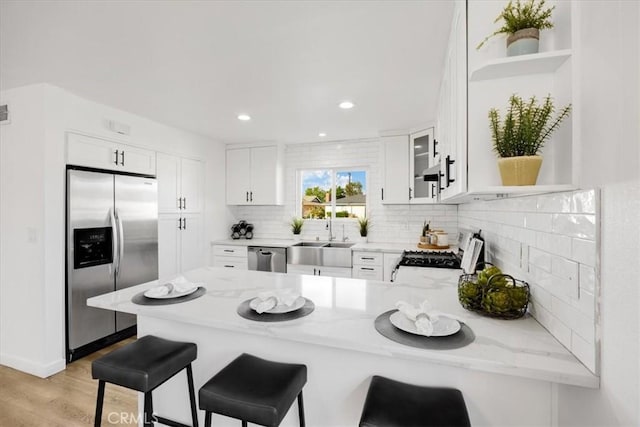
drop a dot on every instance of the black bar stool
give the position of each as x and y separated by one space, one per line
392 403
144 365
254 390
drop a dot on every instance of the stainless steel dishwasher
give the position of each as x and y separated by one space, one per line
267 259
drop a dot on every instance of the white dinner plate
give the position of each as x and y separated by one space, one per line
443 327
151 293
281 308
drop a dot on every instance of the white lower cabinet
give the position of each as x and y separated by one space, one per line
315 270
229 256
180 244
367 265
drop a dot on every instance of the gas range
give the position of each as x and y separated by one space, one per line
420 267
446 259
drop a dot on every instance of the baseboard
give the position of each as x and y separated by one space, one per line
41 370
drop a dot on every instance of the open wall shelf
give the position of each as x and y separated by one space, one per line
537 63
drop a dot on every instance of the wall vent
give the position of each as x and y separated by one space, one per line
4 113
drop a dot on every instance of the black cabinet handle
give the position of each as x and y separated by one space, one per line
314 271
366 268
448 163
122 158
116 160
251 196
435 142
179 223
382 193
440 175
179 202
184 203
433 190
247 196
410 193
229 250
229 266
184 223
367 257
318 272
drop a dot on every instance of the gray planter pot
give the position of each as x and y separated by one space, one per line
523 42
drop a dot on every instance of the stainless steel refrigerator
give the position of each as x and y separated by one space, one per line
112 243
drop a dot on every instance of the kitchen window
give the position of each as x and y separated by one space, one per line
333 193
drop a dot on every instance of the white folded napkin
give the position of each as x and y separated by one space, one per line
269 299
423 316
178 285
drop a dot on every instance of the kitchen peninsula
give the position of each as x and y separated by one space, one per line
512 374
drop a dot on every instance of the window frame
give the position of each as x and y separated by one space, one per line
334 174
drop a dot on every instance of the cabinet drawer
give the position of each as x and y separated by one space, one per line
230 262
367 272
367 258
230 251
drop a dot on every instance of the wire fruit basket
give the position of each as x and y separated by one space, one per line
501 296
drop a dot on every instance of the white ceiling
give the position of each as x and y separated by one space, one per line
198 64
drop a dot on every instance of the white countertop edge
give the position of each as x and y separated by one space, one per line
444 357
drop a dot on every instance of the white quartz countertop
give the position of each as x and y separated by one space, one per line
344 319
364 247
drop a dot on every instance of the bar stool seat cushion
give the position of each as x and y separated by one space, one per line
254 390
144 364
392 403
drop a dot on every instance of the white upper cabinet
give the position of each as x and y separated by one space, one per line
180 184
406 159
492 79
255 176
100 153
423 162
451 118
395 161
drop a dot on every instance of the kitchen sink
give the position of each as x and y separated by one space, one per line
324 254
338 245
311 244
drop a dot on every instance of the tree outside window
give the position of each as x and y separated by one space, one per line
333 193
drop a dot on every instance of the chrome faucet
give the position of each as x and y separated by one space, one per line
344 238
330 228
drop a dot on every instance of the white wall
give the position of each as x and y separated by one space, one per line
33 210
389 223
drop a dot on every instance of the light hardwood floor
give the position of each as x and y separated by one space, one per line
66 399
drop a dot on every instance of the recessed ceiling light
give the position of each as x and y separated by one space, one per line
321 134
244 117
345 105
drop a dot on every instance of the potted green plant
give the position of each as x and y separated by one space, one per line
522 23
363 227
296 227
519 138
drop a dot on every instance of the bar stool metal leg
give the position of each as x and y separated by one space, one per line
192 396
207 419
99 401
148 410
301 409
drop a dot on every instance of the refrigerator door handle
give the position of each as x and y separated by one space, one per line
116 242
120 242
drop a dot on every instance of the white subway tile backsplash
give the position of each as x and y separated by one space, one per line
554 243
584 251
558 258
587 279
555 202
540 259
575 225
538 221
584 202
